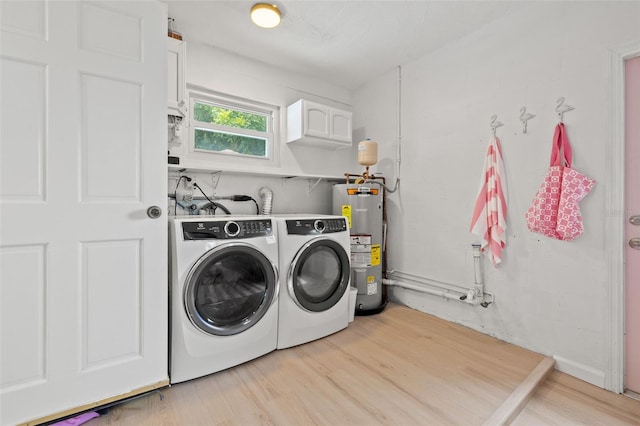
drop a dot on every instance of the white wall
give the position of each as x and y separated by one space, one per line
290 195
226 73
550 295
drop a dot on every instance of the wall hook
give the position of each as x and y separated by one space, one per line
561 108
524 117
495 124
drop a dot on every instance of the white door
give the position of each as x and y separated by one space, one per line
632 210
83 152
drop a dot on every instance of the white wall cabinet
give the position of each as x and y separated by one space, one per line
318 125
176 71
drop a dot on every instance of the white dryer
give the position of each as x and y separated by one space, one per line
223 292
314 256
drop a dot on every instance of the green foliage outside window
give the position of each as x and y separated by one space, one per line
217 140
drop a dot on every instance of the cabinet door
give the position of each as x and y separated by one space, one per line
341 125
316 120
83 300
176 96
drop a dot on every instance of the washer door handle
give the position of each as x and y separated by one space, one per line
154 212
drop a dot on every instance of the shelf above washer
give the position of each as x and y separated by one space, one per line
255 172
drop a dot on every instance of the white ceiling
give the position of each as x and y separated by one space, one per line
343 42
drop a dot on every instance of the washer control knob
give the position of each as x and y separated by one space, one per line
319 226
231 229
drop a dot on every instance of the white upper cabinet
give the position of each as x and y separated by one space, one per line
319 125
340 126
176 85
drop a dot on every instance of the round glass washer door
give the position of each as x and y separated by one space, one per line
319 275
229 289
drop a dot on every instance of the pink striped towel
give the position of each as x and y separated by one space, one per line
490 213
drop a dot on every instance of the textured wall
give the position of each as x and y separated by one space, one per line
221 71
551 295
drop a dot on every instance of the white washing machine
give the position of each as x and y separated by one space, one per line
314 256
223 291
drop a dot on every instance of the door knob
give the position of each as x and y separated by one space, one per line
635 219
154 212
634 243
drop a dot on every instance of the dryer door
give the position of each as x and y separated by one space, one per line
319 275
229 289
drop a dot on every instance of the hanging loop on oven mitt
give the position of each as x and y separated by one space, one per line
555 210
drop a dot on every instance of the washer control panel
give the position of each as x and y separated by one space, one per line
227 229
316 226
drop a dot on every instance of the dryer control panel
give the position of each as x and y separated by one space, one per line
227 229
316 226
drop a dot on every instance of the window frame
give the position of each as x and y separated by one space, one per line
245 105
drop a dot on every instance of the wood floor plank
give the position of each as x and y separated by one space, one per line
400 367
564 400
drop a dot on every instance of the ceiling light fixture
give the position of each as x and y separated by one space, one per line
265 15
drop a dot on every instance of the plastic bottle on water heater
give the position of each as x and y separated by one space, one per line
367 152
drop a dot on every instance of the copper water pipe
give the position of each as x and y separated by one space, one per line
365 176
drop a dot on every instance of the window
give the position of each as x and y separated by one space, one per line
231 127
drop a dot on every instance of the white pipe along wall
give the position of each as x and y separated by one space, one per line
552 294
476 295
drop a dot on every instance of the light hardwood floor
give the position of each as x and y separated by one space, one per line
401 367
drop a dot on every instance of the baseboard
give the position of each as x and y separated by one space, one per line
632 395
581 371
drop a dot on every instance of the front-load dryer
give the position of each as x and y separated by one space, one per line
223 292
314 254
